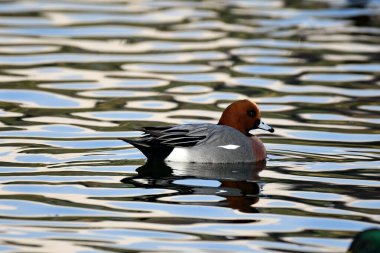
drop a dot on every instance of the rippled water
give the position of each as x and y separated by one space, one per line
77 75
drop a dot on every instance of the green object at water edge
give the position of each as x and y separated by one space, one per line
367 241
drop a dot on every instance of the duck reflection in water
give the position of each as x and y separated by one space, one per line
236 183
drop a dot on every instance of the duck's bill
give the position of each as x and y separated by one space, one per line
265 127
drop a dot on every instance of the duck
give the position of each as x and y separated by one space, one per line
366 241
228 141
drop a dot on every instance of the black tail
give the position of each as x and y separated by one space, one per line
153 151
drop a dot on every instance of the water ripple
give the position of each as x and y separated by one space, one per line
79 75
43 99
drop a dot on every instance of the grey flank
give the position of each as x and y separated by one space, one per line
222 144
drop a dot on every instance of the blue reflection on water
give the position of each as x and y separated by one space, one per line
336 77
32 98
31 208
311 66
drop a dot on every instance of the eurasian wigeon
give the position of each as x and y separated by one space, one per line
230 141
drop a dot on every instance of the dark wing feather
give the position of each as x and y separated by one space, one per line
158 142
183 141
171 136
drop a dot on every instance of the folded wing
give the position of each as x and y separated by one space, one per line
158 142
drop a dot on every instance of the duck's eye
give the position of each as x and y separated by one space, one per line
251 113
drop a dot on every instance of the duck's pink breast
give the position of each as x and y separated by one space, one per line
259 150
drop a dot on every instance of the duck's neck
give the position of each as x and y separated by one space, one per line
235 125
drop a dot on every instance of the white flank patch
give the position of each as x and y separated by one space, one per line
229 146
178 155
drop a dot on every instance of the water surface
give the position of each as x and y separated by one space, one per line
78 75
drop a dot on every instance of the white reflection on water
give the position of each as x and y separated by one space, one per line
278 203
302 99
28 60
375 108
28 49
277 85
167 68
336 181
174 116
268 70
190 89
336 77
105 82
339 152
32 209
65 131
78 75
335 117
330 136
71 121
210 98
111 31
193 198
116 93
9 114
152 104
153 17
271 60
259 51
345 57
